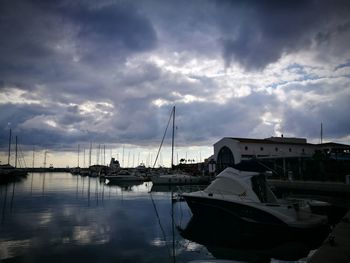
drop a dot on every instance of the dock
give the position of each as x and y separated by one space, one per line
336 248
312 187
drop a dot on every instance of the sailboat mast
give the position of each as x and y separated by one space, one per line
45 155
172 114
9 156
78 153
33 157
172 140
90 154
16 154
104 155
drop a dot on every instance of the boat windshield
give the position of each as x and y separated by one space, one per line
224 185
262 190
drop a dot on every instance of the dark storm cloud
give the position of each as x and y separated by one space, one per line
28 123
41 40
111 29
13 115
138 75
307 120
110 71
314 101
211 121
262 31
64 52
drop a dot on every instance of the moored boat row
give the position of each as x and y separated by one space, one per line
159 176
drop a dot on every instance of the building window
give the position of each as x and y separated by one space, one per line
303 150
290 149
276 149
261 148
225 159
246 148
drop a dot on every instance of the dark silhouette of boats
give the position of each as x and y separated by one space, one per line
9 173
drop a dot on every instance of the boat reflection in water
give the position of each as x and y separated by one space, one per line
124 184
248 242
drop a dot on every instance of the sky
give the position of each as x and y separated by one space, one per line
109 72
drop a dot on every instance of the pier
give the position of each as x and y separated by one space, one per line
335 189
336 248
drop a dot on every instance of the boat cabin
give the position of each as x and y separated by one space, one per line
249 185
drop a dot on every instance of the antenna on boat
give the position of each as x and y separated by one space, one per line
321 133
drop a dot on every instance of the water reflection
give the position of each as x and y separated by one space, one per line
60 217
126 186
57 217
4 197
236 240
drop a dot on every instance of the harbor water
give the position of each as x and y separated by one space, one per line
58 217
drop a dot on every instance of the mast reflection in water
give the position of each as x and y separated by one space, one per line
58 217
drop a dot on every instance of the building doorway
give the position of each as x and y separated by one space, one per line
225 159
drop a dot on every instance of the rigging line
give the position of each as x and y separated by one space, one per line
161 144
160 224
269 168
22 157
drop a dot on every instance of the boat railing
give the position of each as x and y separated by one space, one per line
221 193
296 203
190 188
226 194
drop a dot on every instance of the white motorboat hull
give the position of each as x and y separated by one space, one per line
266 214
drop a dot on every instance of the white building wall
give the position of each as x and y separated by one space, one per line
233 145
260 149
275 150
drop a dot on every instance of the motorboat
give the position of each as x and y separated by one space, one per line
123 176
246 196
75 171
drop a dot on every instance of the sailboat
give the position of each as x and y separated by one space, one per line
174 178
7 171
